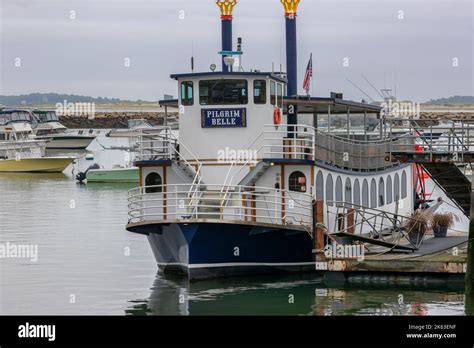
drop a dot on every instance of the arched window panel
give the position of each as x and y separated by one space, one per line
389 192
381 192
297 182
320 186
329 190
365 194
396 187
357 200
348 192
153 183
373 194
404 185
339 194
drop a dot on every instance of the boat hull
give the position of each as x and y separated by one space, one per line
36 165
212 250
121 175
68 142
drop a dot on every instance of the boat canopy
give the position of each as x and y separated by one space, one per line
223 75
312 105
46 116
9 116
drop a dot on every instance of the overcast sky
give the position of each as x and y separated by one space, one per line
415 42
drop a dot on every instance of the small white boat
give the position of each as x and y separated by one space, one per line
49 127
118 174
20 152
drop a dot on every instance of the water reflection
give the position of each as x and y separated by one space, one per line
293 295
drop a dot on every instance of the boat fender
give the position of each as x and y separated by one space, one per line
276 117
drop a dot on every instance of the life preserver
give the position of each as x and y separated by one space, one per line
277 116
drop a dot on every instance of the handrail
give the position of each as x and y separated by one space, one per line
168 137
437 138
267 203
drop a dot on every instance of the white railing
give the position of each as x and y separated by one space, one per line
284 141
452 138
242 204
156 144
161 144
288 142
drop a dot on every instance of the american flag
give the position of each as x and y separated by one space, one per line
308 75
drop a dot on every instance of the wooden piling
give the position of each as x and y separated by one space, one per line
318 218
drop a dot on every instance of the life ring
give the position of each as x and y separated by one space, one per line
277 116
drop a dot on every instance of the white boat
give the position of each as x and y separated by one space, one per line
250 180
135 126
49 127
20 151
117 174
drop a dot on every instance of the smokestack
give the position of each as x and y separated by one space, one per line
226 7
291 6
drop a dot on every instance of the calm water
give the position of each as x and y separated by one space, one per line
89 264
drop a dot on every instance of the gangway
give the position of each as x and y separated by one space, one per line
440 147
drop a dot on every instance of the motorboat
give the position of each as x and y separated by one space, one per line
20 151
49 127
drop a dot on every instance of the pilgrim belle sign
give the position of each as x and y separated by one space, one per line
223 118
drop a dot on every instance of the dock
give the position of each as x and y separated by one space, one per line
437 260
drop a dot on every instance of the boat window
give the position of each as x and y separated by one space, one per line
223 92
320 186
43 132
153 183
260 92
381 192
272 92
49 116
373 194
187 93
19 116
339 198
365 194
356 192
329 190
280 96
404 185
297 182
389 190
348 192
396 187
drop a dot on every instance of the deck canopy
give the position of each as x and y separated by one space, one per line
314 105
220 74
321 105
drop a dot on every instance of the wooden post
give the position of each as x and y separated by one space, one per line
350 221
318 218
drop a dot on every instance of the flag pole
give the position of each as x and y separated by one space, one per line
312 73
